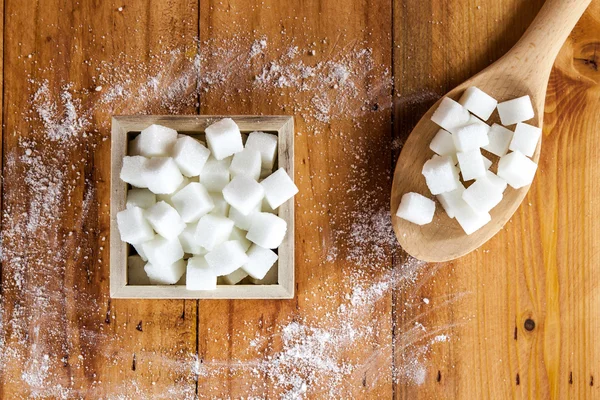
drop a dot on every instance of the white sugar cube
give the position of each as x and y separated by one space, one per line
271 278
215 174
199 275
142 198
516 169
478 102
487 163
162 175
525 139
192 202
213 230
482 195
135 271
416 208
190 155
450 114
157 141
167 198
260 261
265 172
471 164
134 146
165 220
133 226
165 274
279 188
440 174
138 249
162 251
246 162
221 206
226 257
496 181
470 137
243 193
132 171
443 144
242 221
224 138
515 110
267 208
235 277
450 201
267 230
499 140
189 241
266 144
240 236
470 220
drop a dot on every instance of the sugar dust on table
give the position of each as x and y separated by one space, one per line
457 147
199 215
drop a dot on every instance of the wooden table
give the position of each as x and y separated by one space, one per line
516 319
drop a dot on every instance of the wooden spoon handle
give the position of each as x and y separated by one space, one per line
535 52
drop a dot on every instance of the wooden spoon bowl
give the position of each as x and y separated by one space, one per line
524 70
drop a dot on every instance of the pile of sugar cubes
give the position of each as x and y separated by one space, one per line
458 159
196 215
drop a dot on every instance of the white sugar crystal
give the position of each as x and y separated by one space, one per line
162 251
135 271
471 164
243 193
260 261
213 230
416 208
271 278
235 277
440 174
221 206
133 226
516 169
224 138
499 140
167 197
215 174
226 257
471 137
199 275
516 110
133 169
267 230
450 201
192 202
496 181
190 155
470 220
246 162
525 139
142 198
134 146
165 220
478 102
157 141
165 274
162 175
138 249
266 144
242 221
487 163
443 144
482 195
189 241
450 114
279 188
240 236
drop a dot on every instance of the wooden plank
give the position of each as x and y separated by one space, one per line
521 311
246 347
63 337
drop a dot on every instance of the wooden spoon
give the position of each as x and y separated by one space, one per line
525 69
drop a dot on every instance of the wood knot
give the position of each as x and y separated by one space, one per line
529 324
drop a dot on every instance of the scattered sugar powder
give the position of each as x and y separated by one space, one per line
53 221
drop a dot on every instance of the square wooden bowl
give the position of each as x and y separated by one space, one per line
124 128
